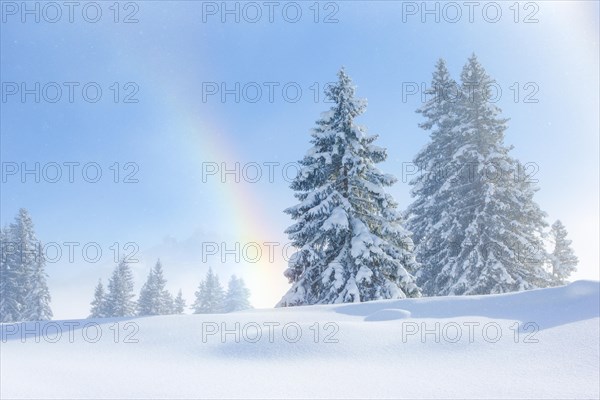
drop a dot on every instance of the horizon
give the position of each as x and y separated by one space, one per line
184 169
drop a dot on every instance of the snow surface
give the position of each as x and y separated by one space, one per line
366 351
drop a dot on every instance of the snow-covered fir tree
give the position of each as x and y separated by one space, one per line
9 305
168 305
154 298
119 300
431 166
145 303
24 256
209 297
563 259
98 309
179 303
24 294
37 301
237 297
352 245
479 229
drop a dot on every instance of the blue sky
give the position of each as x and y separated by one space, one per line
171 54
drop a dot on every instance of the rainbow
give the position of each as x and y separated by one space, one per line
199 139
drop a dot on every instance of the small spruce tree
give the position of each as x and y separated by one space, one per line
179 303
98 309
119 300
154 298
9 290
562 258
237 297
24 294
209 297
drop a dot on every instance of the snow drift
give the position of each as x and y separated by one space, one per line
537 344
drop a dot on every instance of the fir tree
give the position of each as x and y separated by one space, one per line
154 298
24 258
119 300
352 245
237 297
9 305
209 297
164 299
483 230
563 258
179 303
431 167
98 309
145 303
37 301
168 303
23 291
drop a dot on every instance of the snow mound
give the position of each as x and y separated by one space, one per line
581 289
388 314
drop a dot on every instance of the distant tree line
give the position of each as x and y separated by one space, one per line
24 293
155 299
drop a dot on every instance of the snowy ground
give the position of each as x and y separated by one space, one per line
537 344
